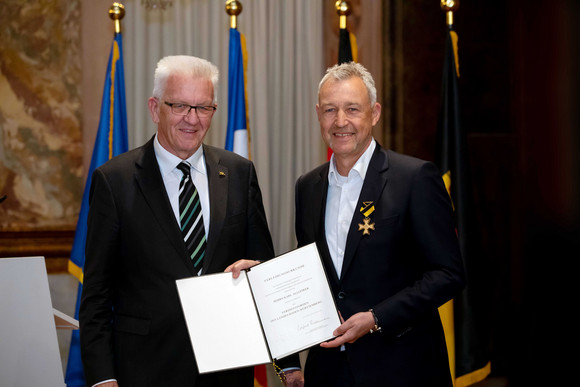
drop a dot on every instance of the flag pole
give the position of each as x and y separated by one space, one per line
449 6
234 8
238 129
347 47
343 9
116 13
446 311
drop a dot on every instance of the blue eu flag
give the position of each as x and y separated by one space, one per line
111 141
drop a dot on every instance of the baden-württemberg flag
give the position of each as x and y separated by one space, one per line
238 133
461 317
111 141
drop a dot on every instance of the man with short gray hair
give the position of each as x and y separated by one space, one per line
170 209
384 228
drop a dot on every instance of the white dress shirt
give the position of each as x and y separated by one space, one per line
341 203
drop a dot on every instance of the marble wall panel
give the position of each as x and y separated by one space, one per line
41 148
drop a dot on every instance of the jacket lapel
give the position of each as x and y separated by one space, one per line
218 178
150 181
372 189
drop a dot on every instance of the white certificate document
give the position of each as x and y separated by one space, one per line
273 310
294 301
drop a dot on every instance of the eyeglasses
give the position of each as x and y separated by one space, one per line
182 109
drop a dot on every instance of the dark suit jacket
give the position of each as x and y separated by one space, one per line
404 270
132 326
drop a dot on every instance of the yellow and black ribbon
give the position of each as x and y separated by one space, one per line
367 209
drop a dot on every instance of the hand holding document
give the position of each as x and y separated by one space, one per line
273 310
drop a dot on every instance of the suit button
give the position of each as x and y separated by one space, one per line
341 295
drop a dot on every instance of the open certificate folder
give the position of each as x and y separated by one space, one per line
275 309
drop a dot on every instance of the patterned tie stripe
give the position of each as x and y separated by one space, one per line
190 217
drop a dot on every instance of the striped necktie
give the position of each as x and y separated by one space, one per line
191 218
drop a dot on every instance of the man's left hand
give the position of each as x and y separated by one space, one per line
240 265
351 330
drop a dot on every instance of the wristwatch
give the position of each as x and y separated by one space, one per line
376 328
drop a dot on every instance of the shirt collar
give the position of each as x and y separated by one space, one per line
359 168
168 162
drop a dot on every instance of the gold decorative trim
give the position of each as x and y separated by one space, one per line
54 245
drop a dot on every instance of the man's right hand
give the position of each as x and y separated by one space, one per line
243 264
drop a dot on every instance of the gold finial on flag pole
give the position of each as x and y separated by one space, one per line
343 9
450 6
233 8
116 13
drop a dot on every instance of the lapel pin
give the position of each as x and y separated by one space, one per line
366 227
367 209
222 174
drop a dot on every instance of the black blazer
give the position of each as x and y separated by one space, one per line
131 322
404 270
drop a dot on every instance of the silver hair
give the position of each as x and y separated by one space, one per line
190 66
344 71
